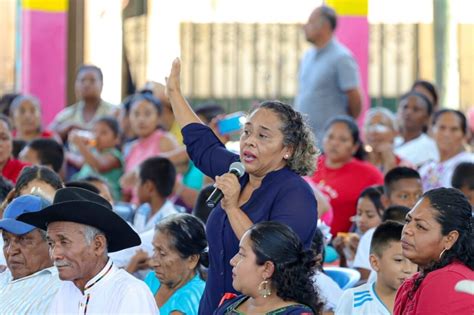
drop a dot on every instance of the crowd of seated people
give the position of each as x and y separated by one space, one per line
397 194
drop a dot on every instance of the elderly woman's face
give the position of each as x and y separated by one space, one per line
379 130
261 143
170 268
246 274
75 259
6 145
422 241
27 117
448 133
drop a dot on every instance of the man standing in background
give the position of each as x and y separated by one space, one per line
328 77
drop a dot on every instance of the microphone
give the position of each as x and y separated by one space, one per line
235 168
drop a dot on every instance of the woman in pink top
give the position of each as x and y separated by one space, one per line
437 236
145 114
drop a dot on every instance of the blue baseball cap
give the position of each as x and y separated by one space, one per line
18 206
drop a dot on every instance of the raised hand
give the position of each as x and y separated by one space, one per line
173 84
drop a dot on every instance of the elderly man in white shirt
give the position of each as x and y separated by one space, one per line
81 230
30 283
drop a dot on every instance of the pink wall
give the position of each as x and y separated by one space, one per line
354 33
43 59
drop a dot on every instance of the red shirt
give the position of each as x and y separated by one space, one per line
436 294
343 186
12 169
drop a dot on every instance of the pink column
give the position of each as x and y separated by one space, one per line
44 53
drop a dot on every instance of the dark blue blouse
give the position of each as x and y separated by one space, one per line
283 196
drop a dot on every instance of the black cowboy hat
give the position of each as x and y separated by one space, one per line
78 205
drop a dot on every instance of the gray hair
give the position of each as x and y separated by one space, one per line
383 111
43 234
91 232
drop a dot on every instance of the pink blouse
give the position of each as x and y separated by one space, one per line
142 149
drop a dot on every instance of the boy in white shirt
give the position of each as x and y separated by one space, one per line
402 187
392 269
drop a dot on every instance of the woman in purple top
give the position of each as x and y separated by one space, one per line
276 147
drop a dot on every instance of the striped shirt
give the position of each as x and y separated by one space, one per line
28 295
362 300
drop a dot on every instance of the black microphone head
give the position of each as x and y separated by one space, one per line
237 168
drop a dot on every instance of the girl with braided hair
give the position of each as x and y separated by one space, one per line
273 271
438 237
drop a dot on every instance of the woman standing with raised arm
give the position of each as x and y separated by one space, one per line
276 147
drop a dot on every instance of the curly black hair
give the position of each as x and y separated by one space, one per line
297 135
454 213
294 266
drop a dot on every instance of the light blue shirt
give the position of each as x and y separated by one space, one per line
32 294
325 75
142 221
185 299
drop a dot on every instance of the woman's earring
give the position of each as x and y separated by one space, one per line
286 156
442 253
264 289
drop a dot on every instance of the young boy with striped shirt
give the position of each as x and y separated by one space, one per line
392 269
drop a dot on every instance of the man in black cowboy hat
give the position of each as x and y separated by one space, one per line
81 230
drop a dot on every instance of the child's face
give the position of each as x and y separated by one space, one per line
143 191
392 267
367 215
144 118
405 192
104 136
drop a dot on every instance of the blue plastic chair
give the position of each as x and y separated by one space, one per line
345 277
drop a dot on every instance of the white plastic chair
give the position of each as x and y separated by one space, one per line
345 277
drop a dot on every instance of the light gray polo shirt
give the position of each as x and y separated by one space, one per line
324 77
